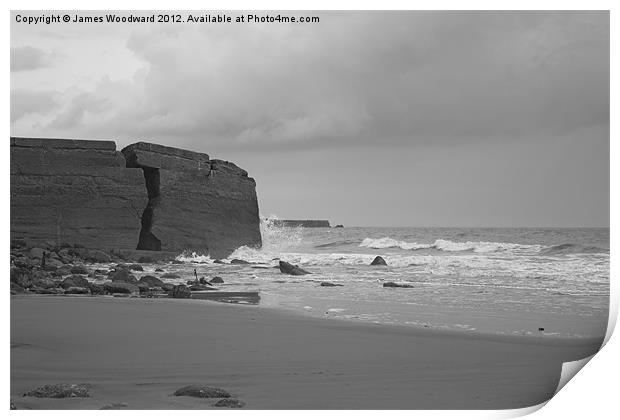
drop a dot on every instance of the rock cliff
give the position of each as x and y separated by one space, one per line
147 197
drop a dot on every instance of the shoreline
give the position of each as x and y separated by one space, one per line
291 312
268 358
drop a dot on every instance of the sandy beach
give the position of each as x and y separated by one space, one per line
137 352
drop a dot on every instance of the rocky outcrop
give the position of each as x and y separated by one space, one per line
76 192
206 205
148 197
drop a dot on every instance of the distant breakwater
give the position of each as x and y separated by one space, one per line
301 223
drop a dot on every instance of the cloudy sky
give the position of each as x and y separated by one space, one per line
366 118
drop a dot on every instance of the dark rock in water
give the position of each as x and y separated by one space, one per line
392 284
119 287
339 226
218 262
79 269
77 291
291 269
74 281
229 403
60 391
201 391
378 261
181 291
159 270
151 281
176 262
170 276
239 262
329 284
135 267
217 279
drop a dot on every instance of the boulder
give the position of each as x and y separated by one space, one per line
123 276
229 403
77 291
181 291
79 269
329 284
201 391
97 256
53 263
21 276
60 391
135 267
46 291
378 261
95 289
44 283
218 262
167 287
151 281
38 253
119 287
393 284
239 262
64 271
74 280
291 269
16 289
216 280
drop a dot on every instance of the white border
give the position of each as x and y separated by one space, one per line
592 394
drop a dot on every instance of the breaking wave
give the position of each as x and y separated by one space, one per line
565 249
446 245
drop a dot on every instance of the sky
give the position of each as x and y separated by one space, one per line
364 118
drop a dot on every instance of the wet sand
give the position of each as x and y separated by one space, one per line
139 351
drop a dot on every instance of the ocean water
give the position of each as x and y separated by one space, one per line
518 281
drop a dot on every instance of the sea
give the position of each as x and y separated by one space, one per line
548 282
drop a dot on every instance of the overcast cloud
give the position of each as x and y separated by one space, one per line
500 90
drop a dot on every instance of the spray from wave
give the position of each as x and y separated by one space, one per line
277 239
